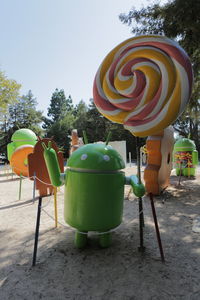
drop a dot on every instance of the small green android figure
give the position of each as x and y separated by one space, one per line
185 157
94 189
19 138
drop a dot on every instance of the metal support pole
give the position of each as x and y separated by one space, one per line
129 159
34 185
20 187
141 215
55 207
157 228
37 231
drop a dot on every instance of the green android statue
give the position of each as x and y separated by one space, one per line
94 189
185 157
19 138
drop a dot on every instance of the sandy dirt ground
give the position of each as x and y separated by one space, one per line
119 272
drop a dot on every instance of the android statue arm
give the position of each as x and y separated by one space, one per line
138 187
57 178
195 157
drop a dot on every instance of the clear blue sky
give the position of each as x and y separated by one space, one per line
49 44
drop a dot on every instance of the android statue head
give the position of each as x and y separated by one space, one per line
96 157
185 157
94 189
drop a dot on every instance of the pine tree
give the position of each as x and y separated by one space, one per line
59 105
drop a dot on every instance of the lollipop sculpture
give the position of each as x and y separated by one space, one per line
144 83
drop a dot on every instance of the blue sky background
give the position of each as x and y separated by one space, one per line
49 44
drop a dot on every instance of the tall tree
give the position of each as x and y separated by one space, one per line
9 91
96 124
60 132
98 127
60 123
177 19
22 114
80 113
59 105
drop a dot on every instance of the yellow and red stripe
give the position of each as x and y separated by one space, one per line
144 83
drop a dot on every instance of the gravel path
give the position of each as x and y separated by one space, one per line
119 272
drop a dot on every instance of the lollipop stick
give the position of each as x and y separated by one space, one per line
141 215
157 228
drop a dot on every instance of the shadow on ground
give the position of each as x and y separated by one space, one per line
119 272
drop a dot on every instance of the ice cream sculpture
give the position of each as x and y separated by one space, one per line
76 142
22 144
185 157
144 83
94 189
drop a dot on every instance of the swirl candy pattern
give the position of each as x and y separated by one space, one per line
144 83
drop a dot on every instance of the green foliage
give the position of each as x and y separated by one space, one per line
80 113
59 105
177 19
95 125
60 132
97 128
60 123
22 114
83 117
9 91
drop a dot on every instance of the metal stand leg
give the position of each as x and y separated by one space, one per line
141 248
34 186
37 231
141 215
55 207
157 228
20 187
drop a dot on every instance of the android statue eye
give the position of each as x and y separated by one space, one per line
84 156
106 157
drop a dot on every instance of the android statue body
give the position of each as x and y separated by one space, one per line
94 190
185 157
